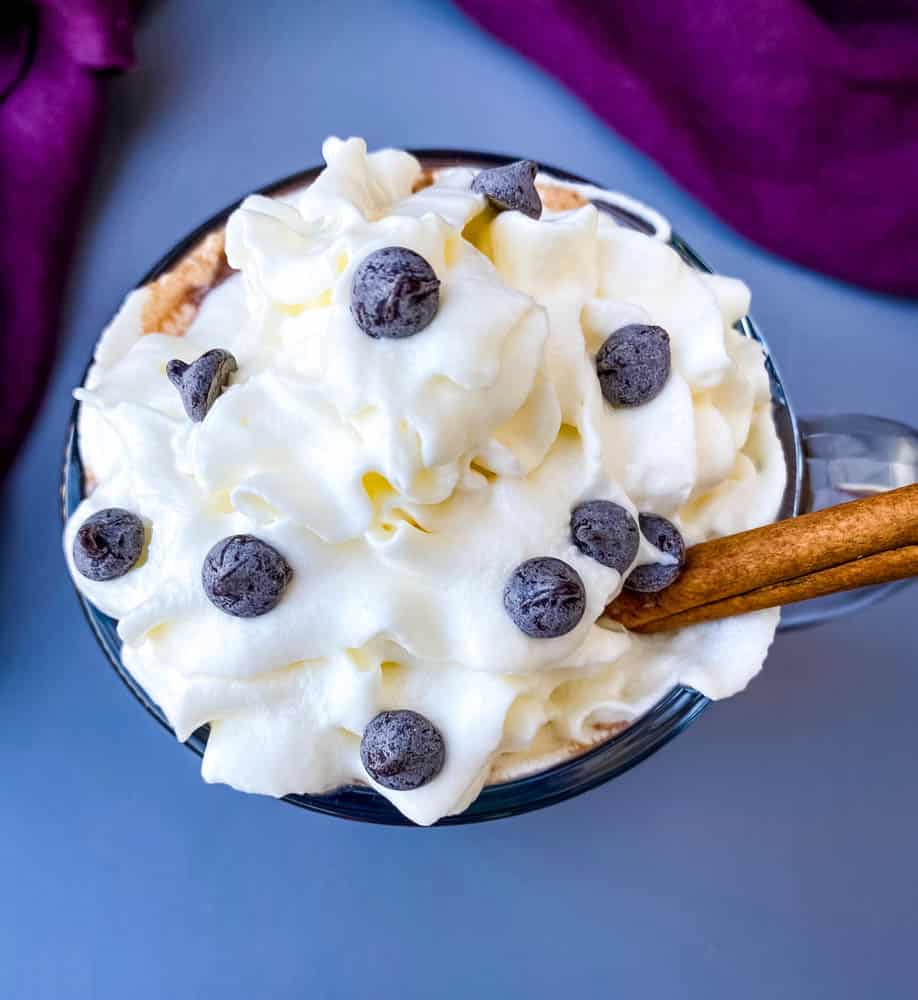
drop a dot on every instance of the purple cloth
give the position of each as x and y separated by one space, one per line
796 122
52 57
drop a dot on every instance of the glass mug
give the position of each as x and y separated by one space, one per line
829 460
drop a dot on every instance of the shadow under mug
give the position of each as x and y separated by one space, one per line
829 460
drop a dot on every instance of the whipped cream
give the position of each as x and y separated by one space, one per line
404 480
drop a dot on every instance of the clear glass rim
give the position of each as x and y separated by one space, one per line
608 759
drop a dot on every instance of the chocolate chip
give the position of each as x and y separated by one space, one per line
606 532
108 544
545 597
244 576
200 383
511 187
395 293
656 576
633 364
402 750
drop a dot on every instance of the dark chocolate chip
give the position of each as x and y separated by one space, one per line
633 364
200 383
606 532
545 597
656 576
244 576
108 544
395 293
402 750
511 187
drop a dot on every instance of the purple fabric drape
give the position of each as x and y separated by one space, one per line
795 122
54 55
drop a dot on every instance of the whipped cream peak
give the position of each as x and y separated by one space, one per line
404 480
286 256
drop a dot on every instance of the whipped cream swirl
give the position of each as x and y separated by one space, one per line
403 480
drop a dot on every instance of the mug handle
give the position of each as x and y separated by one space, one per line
847 456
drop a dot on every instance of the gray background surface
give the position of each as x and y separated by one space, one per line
768 852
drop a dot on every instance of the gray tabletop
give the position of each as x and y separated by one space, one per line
768 852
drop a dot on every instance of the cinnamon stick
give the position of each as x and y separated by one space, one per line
793 560
884 567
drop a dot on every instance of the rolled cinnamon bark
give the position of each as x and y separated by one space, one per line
884 567
785 562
